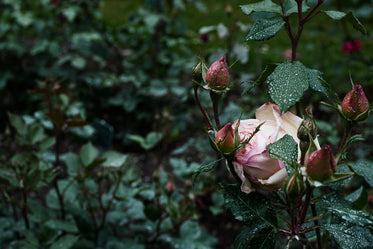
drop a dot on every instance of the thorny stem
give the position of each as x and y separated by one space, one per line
209 125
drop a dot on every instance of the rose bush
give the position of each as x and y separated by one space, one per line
252 163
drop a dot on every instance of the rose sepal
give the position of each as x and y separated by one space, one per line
336 177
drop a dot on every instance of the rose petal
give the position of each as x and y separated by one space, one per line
276 181
245 185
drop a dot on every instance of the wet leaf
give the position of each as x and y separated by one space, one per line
287 84
248 207
364 168
265 29
338 15
265 6
285 149
350 237
259 236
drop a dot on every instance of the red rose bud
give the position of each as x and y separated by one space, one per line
217 76
355 105
225 139
294 186
320 165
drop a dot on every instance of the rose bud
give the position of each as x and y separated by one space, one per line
197 72
225 139
170 187
294 186
355 105
320 165
217 76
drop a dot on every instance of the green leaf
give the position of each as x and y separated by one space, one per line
265 29
88 154
314 79
191 237
36 133
285 149
348 237
249 207
358 198
205 167
338 15
151 139
18 123
73 163
265 6
364 168
181 168
46 143
65 242
68 226
287 84
290 7
259 236
78 62
357 217
114 159
266 72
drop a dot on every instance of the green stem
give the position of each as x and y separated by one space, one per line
316 222
215 97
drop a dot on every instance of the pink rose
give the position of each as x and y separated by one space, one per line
252 163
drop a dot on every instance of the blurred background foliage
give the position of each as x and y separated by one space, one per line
99 115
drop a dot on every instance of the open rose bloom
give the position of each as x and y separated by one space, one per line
252 163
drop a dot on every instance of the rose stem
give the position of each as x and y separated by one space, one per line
202 110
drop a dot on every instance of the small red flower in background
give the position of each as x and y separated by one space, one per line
351 46
54 2
204 37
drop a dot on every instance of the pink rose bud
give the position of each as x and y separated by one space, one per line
170 187
225 139
294 186
217 76
320 165
355 105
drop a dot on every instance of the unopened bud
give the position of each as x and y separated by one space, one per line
170 187
307 127
355 105
320 165
294 186
197 72
217 76
225 139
